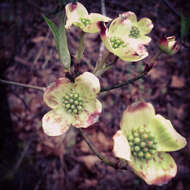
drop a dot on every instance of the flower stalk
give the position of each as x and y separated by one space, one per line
81 48
101 66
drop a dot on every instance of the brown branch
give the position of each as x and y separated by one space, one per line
147 68
116 165
130 81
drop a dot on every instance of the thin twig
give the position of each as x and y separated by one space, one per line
130 81
93 149
147 68
120 164
13 171
22 85
103 7
21 99
23 154
170 6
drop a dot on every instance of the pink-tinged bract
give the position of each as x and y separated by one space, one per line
72 104
144 139
78 15
126 37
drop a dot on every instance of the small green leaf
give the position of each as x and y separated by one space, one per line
59 35
185 26
63 47
53 29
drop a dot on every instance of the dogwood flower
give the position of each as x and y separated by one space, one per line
78 15
126 37
144 139
72 104
169 45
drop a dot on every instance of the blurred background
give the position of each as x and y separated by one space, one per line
29 159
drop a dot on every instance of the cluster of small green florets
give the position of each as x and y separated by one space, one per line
116 42
73 103
85 21
142 143
134 32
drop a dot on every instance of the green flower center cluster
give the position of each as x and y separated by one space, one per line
85 21
73 103
134 32
142 143
116 42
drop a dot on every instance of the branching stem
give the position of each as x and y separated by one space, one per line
130 81
148 67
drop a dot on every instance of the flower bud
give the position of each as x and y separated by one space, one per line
169 45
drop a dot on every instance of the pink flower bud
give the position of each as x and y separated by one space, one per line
169 45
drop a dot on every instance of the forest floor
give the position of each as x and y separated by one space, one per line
29 159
